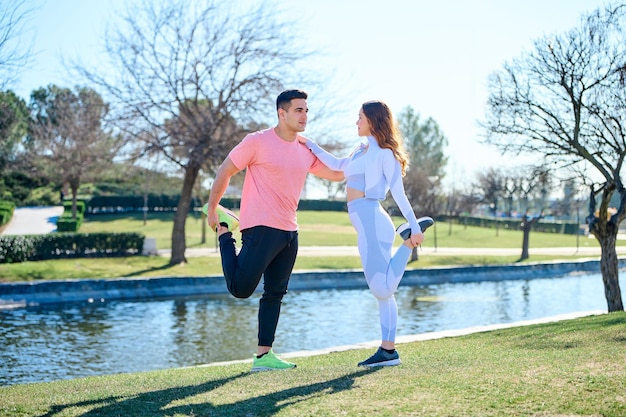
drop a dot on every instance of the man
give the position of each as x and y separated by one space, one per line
276 166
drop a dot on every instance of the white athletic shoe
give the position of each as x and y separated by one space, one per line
404 230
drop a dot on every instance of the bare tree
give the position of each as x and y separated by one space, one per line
531 182
465 200
14 53
510 189
527 223
67 137
490 185
185 71
565 102
528 186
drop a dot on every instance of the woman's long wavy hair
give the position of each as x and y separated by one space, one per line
384 129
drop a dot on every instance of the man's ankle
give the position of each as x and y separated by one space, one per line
262 350
222 229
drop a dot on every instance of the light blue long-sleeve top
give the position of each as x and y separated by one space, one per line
382 171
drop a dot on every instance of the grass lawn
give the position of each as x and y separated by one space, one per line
568 368
328 228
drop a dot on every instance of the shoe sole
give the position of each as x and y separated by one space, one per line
406 233
266 368
220 208
205 210
392 362
228 212
427 221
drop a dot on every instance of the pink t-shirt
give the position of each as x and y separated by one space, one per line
275 174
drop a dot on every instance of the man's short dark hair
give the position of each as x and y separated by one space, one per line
284 99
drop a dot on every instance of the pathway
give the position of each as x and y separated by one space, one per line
33 220
424 250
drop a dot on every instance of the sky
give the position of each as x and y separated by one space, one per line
434 56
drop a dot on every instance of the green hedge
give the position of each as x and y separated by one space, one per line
323 205
6 212
314 205
568 228
69 245
80 207
121 204
66 223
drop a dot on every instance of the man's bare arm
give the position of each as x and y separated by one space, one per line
220 184
329 174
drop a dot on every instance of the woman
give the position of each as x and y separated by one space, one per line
371 171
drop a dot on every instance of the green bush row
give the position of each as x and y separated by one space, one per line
69 245
120 204
312 205
323 205
562 227
6 212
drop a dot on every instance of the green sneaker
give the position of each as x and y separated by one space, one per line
226 217
270 362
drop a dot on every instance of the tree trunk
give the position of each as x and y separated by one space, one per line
604 227
609 265
74 189
414 255
180 218
203 220
145 208
526 225
525 240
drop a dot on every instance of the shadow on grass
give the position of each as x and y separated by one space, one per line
159 403
163 267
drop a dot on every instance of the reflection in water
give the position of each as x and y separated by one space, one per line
75 340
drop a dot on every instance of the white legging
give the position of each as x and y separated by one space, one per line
375 234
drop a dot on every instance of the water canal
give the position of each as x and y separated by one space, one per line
74 340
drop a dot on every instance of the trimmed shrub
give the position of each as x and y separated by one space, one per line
80 207
66 223
6 212
69 245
